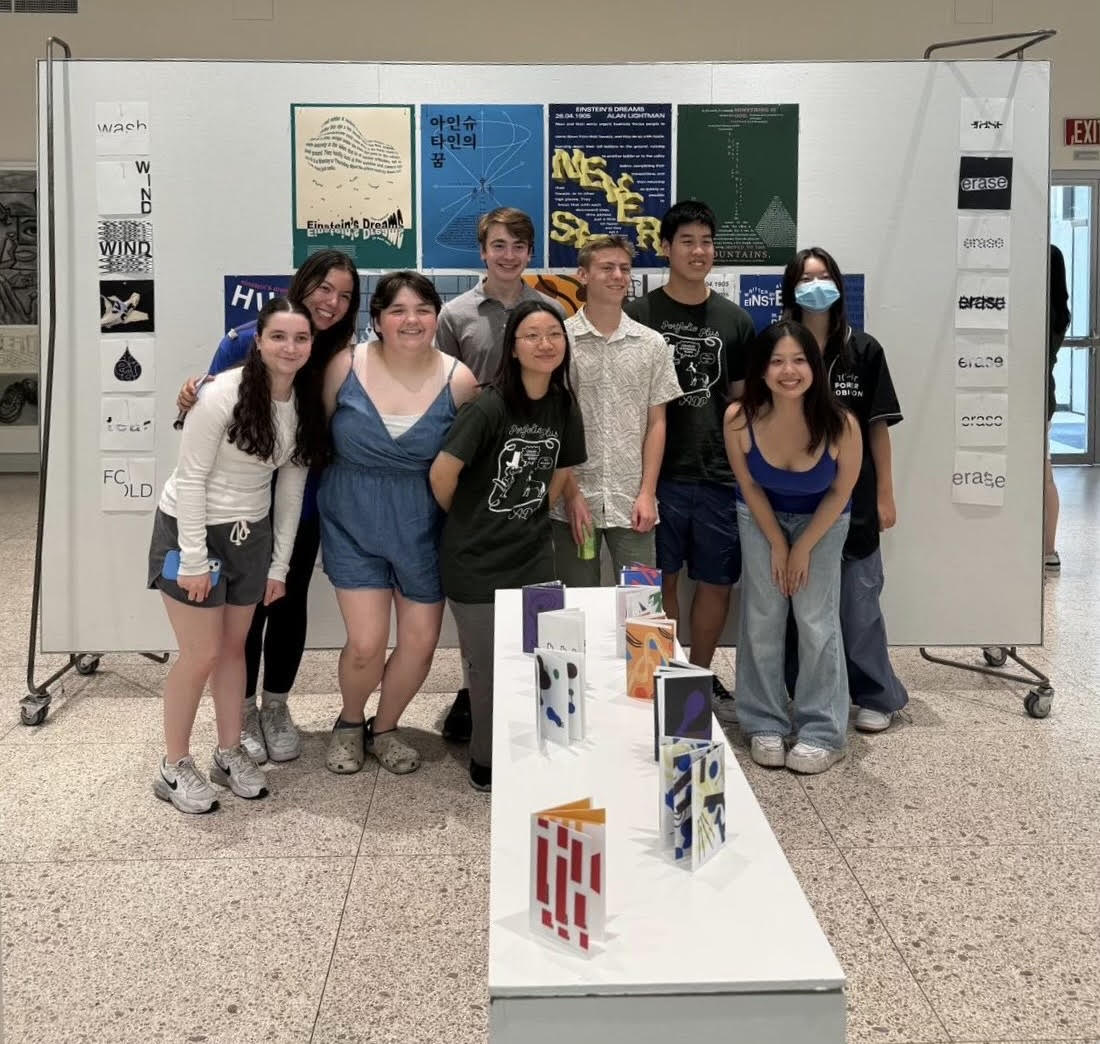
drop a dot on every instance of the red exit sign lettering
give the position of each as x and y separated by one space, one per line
1083 131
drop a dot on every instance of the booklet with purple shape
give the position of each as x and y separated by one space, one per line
538 598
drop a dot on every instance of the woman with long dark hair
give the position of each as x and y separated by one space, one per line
503 464
327 285
220 547
795 454
856 370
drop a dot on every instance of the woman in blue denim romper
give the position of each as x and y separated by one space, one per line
796 456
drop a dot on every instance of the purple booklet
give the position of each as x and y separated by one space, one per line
538 598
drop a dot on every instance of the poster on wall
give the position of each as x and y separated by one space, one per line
124 187
979 478
19 399
245 295
610 174
981 360
18 349
473 159
127 422
984 241
985 124
985 183
18 249
721 281
127 364
125 246
981 302
743 161
981 419
127 483
761 295
126 306
354 178
122 128
566 290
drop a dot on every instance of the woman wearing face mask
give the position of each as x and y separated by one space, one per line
795 454
813 295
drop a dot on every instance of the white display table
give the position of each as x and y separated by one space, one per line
733 949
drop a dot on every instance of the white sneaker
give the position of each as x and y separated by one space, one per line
868 720
252 735
280 734
768 751
810 760
185 786
1052 563
233 768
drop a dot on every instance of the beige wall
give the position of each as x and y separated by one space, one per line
576 30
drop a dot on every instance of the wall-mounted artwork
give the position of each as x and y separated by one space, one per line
126 306
18 249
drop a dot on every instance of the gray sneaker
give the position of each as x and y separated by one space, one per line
768 750
810 759
280 734
185 786
233 768
252 735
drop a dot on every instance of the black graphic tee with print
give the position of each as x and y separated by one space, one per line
709 343
862 384
497 533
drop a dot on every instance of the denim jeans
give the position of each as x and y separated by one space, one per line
820 711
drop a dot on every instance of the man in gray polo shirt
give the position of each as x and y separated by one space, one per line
471 328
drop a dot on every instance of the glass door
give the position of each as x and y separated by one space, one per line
1074 202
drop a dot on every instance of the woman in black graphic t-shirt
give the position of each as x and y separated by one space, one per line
501 466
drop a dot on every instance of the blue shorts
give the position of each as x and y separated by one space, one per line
698 526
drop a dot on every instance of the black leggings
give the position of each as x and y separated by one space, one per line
284 640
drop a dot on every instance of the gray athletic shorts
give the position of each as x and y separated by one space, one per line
243 548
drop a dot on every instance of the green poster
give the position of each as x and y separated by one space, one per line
354 187
743 161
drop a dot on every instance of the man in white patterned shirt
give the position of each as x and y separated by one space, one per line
622 374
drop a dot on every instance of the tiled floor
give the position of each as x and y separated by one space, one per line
954 861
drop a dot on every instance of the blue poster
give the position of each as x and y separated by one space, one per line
762 298
475 158
610 174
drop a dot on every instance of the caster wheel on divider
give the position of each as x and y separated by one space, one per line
87 664
1037 704
35 717
995 656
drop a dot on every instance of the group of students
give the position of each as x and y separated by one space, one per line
479 446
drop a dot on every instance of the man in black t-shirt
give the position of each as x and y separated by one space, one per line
708 336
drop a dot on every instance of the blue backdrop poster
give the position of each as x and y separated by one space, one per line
610 173
475 158
245 295
762 298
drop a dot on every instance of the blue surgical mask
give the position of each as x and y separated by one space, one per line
818 295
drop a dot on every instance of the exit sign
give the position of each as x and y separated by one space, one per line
1083 131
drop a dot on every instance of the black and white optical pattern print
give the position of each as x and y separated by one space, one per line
125 247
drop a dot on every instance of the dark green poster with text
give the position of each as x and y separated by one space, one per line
743 161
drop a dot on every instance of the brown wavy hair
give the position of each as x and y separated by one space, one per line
252 428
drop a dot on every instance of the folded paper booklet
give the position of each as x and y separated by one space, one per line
564 630
681 704
650 644
538 598
636 573
634 600
559 695
568 873
693 800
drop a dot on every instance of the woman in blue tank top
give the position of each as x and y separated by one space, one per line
796 456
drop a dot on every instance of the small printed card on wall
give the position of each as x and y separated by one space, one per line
126 306
127 423
979 478
559 696
538 598
693 800
122 128
568 874
127 365
128 483
124 186
981 419
983 241
681 705
650 645
985 125
125 246
985 183
981 302
981 360
634 600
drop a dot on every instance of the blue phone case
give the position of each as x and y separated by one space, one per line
171 568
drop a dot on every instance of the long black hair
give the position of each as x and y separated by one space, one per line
508 379
313 272
824 416
252 428
838 311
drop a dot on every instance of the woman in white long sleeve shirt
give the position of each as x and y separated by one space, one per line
216 551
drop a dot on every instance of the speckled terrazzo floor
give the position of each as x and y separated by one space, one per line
954 862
